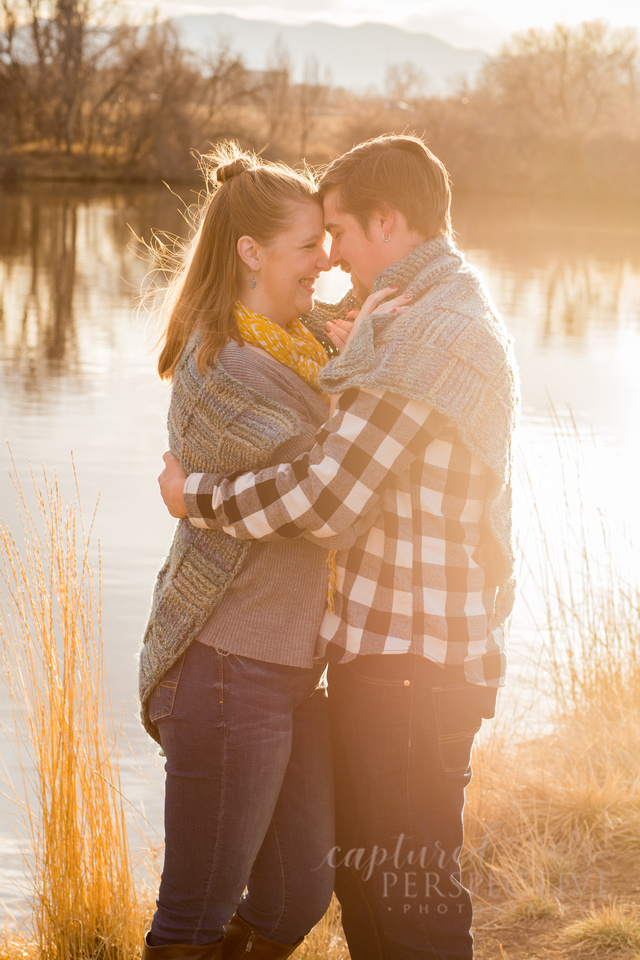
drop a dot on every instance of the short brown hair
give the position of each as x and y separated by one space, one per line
399 171
244 195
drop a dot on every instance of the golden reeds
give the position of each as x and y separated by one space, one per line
543 817
84 903
326 940
547 817
615 926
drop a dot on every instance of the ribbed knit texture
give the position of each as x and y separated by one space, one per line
273 607
452 350
323 312
216 425
297 348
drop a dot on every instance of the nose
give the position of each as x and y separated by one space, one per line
322 263
334 254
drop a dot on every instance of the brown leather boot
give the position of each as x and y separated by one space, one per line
178 951
241 942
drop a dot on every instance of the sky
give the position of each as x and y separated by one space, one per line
463 23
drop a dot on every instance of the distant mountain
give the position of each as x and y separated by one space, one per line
358 57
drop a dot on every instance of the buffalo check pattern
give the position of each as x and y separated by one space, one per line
390 477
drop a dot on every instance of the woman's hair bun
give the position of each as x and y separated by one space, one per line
227 171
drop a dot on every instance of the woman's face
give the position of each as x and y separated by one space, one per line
290 265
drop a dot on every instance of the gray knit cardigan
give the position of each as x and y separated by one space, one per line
217 424
449 349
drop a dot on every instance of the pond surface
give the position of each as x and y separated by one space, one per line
77 377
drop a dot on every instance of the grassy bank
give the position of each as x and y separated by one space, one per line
32 165
553 822
82 894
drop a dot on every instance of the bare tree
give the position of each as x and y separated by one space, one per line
276 91
54 63
225 81
568 81
10 103
152 106
312 98
405 82
132 95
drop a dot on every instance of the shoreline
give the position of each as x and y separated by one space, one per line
28 168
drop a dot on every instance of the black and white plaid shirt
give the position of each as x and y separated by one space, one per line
394 474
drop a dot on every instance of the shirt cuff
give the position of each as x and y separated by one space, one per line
190 494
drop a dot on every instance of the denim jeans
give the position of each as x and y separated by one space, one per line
403 729
249 798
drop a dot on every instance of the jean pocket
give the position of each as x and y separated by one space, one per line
385 669
458 712
164 693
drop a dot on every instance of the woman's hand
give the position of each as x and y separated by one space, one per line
341 331
338 330
172 480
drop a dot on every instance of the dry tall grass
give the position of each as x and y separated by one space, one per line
548 819
84 904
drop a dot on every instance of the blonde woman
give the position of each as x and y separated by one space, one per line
228 684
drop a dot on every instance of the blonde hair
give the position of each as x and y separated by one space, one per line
243 196
399 171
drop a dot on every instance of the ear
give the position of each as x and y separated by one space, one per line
384 219
381 222
249 252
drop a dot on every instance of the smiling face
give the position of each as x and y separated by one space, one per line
363 254
287 268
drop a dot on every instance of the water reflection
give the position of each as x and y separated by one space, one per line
529 234
570 269
67 262
38 241
77 373
48 321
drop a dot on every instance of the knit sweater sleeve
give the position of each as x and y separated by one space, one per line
276 382
322 312
373 437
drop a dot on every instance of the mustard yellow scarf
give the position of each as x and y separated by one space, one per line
299 350
295 346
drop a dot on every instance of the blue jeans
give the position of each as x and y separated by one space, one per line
249 798
403 729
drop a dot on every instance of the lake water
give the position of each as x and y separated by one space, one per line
77 376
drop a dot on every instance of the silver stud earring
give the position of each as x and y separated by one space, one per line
252 281
386 237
